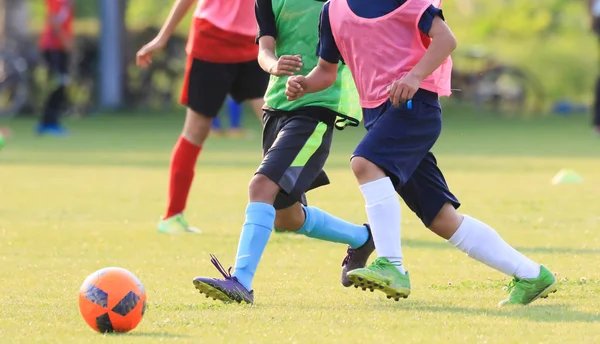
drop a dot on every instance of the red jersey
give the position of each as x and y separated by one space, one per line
62 12
223 32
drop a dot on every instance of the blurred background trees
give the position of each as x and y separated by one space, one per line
549 39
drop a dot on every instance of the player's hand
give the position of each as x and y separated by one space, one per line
404 89
286 65
143 58
295 87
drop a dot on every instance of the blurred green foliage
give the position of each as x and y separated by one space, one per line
551 39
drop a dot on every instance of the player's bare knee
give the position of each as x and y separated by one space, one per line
365 171
290 219
262 189
197 127
446 222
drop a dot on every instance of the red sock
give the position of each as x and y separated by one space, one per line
183 161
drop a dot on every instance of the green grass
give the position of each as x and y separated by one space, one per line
72 206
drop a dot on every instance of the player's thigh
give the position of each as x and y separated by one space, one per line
250 82
426 192
296 157
206 85
399 138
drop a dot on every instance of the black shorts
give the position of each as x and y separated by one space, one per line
57 62
296 145
206 84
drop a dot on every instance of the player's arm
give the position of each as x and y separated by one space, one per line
442 45
325 73
266 37
178 11
319 79
56 17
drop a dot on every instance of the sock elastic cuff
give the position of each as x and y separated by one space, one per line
378 190
309 221
462 231
188 144
260 207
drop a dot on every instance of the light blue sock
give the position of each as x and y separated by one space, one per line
322 225
256 231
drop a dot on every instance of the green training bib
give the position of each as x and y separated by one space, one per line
298 34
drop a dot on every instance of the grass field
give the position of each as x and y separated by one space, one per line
71 206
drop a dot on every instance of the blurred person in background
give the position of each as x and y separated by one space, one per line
594 7
222 60
234 112
56 44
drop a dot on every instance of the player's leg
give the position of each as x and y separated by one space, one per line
396 141
205 88
294 161
234 110
49 124
293 148
427 194
217 128
319 224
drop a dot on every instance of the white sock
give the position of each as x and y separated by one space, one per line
383 212
481 242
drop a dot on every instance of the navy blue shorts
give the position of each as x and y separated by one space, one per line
399 141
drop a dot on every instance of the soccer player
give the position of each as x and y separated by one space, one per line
221 60
296 141
399 55
56 43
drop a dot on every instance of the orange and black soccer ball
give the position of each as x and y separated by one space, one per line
112 300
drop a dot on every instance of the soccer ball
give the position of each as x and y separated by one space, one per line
112 300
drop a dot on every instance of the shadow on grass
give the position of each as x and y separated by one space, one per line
537 313
441 245
148 334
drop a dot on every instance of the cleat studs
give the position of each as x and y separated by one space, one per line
360 279
397 299
371 290
389 297
397 294
364 289
356 286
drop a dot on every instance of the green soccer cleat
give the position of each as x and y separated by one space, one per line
176 224
525 291
384 276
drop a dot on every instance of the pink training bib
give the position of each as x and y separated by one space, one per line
381 50
230 15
